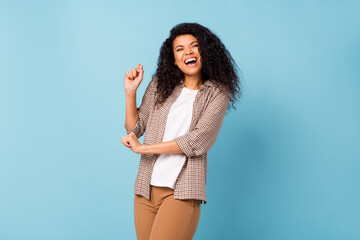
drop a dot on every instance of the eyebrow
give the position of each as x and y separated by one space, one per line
183 46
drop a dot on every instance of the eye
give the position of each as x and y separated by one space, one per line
179 49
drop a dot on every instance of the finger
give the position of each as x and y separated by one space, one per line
134 72
122 141
127 75
141 72
131 76
125 142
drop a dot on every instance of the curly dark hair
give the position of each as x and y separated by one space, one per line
217 64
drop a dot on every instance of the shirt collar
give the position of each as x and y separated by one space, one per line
207 83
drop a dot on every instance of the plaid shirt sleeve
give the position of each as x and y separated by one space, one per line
203 136
144 110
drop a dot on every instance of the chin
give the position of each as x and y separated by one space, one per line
192 72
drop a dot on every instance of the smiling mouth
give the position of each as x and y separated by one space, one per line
191 61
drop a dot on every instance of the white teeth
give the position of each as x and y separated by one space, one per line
190 59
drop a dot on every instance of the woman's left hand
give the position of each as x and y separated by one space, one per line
132 142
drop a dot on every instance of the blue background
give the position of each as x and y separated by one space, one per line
285 165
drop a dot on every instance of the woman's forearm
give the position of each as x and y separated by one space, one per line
163 147
131 113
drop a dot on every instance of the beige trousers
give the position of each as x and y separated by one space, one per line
163 217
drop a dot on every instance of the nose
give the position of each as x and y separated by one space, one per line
188 50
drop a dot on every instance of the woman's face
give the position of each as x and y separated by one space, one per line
187 54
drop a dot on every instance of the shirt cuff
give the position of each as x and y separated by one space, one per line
135 129
184 145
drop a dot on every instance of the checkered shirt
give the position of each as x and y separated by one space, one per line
207 117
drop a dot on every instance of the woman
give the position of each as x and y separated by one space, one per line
181 114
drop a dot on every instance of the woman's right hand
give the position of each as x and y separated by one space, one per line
133 79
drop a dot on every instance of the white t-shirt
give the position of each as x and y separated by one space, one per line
168 165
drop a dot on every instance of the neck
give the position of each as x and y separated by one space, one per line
193 82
